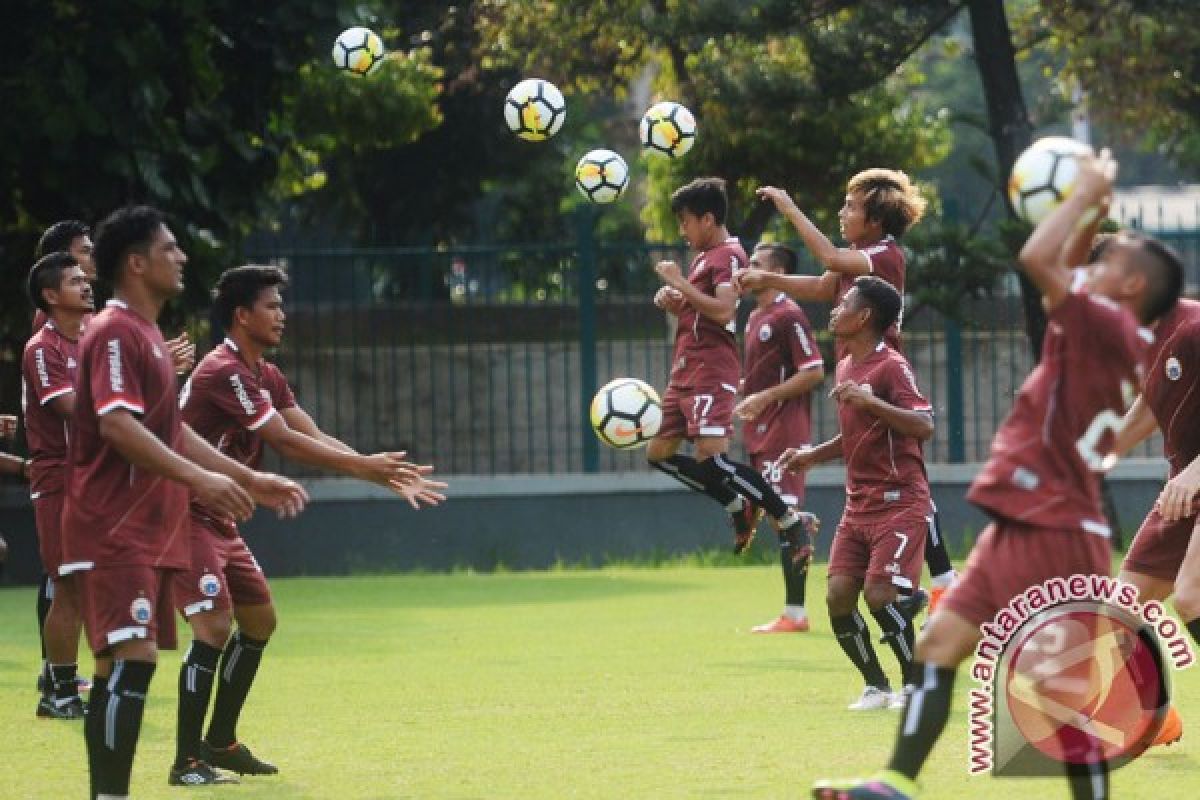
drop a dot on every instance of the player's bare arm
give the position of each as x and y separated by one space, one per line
380 468
63 406
284 495
799 384
918 424
1079 246
299 419
798 459
806 288
836 259
146 451
719 308
1042 256
14 465
1136 427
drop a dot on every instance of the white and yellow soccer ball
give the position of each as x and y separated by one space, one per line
358 51
1043 176
626 413
601 176
667 129
535 109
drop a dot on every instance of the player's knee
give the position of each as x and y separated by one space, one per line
879 595
259 624
211 627
840 600
1187 599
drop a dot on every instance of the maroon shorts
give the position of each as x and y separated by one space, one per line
47 515
1159 546
788 485
126 602
223 574
886 547
1009 557
703 410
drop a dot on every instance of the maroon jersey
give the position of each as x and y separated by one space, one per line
1041 470
705 352
886 260
882 466
115 513
779 343
48 369
1172 382
226 401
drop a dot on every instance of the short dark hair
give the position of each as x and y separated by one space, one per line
124 230
240 287
1163 268
58 237
702 196
780 255
885 302
47 273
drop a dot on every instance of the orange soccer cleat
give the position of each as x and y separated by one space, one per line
936 593
1172 729
783 624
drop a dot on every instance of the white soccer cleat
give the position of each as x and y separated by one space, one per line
873 698
900 698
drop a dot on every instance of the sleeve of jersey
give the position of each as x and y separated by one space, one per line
887 263
1093 321
281 393
115 366
237 394
723 266
46 371
902 388
802 347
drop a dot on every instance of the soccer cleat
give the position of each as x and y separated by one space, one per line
197 773
936 593
900 698
888 786
782 624
745 525
68 708
238 758
1171 730
873 698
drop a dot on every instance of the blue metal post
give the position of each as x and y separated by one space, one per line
586 268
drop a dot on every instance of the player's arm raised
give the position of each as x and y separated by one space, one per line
1042 257
807 288
720 308
845 260
284 495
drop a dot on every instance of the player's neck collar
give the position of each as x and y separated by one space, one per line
113 301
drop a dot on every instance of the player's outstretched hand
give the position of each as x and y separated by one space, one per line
1178 497
183 353
851 393
669 299
781 199
796 459
222 494
750 407
286 497
670 273
8 426
747 280
1096 176
421 491
386 469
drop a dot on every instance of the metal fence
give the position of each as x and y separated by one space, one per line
483 359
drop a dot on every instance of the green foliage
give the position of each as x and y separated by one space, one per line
949 264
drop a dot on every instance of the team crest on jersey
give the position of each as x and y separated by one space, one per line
157 352
141 611
1174 369
210 586
764 333
70 363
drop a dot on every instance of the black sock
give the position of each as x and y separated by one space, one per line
935 549
852 635
795 579
93 728
1087 780
44 597
112 728
923 719
898 633
690 473
1194 629
748 483
239 663
195 690
62 681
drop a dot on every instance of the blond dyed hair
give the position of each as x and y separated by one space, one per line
890 198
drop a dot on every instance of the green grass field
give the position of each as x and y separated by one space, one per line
630 683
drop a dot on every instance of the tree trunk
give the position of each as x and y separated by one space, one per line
1008 125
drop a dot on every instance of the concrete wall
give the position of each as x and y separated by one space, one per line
530 522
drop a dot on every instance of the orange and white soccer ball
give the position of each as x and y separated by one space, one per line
358 51
535 109
1044 176
626 413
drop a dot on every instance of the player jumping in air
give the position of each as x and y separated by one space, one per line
698 404
882 419
131 463
236 401
782 367
881 205
1040 485
61 290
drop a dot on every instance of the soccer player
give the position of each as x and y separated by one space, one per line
60 289
880 206
883 419
236 400
1040 486
782 367
130 466
698 404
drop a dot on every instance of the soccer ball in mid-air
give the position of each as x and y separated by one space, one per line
667 129
626 413
535 109
358 51
601 175
1043 176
